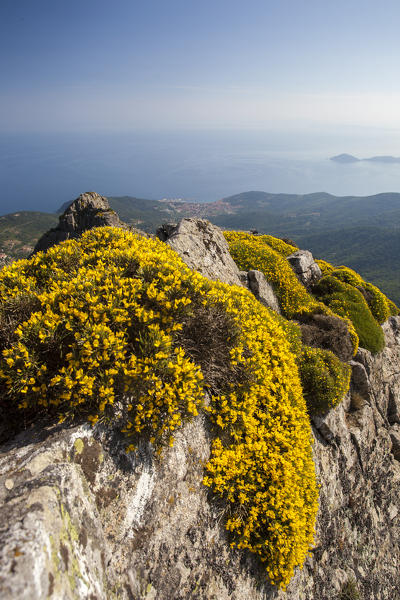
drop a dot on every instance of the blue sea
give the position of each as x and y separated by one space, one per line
42 171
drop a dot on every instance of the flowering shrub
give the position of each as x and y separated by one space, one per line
283 248
255 252
99 331
326 268
263 443
324 378
317 367
360 304
106 326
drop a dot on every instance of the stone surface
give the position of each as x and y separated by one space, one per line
203 247
84 520
243 278
305 267
88 211
262 290
358 528
395 438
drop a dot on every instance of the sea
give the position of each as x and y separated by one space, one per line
41 171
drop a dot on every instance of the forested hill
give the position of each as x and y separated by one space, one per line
300 213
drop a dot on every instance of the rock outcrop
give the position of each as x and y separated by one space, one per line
82 519
305 267
88 211
203 248
358 526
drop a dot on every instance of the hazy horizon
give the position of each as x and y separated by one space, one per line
41 172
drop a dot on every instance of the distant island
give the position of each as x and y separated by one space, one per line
349 158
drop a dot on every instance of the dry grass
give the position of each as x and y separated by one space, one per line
207 336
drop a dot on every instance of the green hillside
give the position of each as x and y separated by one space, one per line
145 214
290 214
20 231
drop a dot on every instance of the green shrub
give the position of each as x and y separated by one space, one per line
376 300
347 301
324 378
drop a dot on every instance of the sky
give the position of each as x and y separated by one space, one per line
96 65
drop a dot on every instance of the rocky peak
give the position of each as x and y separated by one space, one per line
87 211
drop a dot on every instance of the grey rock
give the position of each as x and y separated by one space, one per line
322 425
393 412
87 211
262 290
354 453
202 247
305 267
83 520
359 379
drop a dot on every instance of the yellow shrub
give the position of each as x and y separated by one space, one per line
103 334
278 245
325 267
264 442
256 252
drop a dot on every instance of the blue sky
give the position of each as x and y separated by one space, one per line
100 65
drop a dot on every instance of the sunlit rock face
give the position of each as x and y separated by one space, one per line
357 462
203 247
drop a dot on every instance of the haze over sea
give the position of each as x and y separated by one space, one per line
41 171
